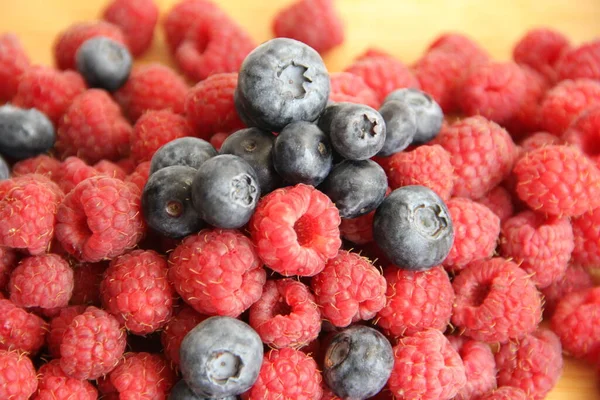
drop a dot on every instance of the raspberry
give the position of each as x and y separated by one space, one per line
540 49
127 165
93 129
537 140
155 129
55 385
13 62
20 330
139 177
481 152
286 314
48 90
476 230
111 169
494 91
540 245
175 330
416 301
505 393
136 291
8 261
526 117
314 22
141 376
584 133
151 87
137 19
18 379
217 139
347 87
499 201
287 374
565 101
68 42
209 105
71 172
296 230
480 367
533 364
576 279
58 325
426 367
100 219
580 62
40 164
358 230
587 239
92 345
495 301
558 180
28 205
217 272
464 46
576 321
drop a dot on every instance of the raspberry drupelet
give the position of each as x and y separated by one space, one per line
540 49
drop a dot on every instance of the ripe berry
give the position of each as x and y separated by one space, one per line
400 126
24 133
186 151
104 63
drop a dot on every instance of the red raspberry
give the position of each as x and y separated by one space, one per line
358 230
314 22
135 289
28 205
537 140
558 180
8 261
347 87
540 245
576 279
587 239
13 62
218 138
217 272
480 367
155 129
100 219
287 374
68 42
93 129
584 133
92 345
526 117
533 364
139 177
476 230
111 169
71 172
296 230
499 200
58 325
481 152
464 46
151 87
580 62
175 330
142 376
540 49
286 315
40 164
209 105
505 393
137 19
416 301
426 367
20 330
87 278
495 301
18 379
565 101
48 90
127 165
494 91
55 385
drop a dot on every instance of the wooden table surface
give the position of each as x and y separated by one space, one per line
402 27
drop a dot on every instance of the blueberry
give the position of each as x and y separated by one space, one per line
221 357
181 391
429 114
4 169
358 363
104 63
356 187
400 127
24 133
188 151
167 202
281 81
225 191
302 154
256 147
356 131
413 228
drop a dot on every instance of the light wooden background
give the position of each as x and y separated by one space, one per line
402 27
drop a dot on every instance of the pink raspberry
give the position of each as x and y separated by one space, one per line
580 62
499 200
584 133
18 379
20 330
505 393
57 327
454 42
140 175
175 330
41 164
54 384
137 20
537 140
13 62
587 239
575 279
480 367
540 49
218 138
526 117
71 172
351 88
358 230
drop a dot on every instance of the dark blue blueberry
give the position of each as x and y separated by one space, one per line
104 63
358 363
181 391
24 133
221 357
281 81
4 169
256 147
167 202
356 131
400 127
356 187
225 191
429 114
188 151
302 154
413 228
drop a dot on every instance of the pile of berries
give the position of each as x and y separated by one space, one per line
277 231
